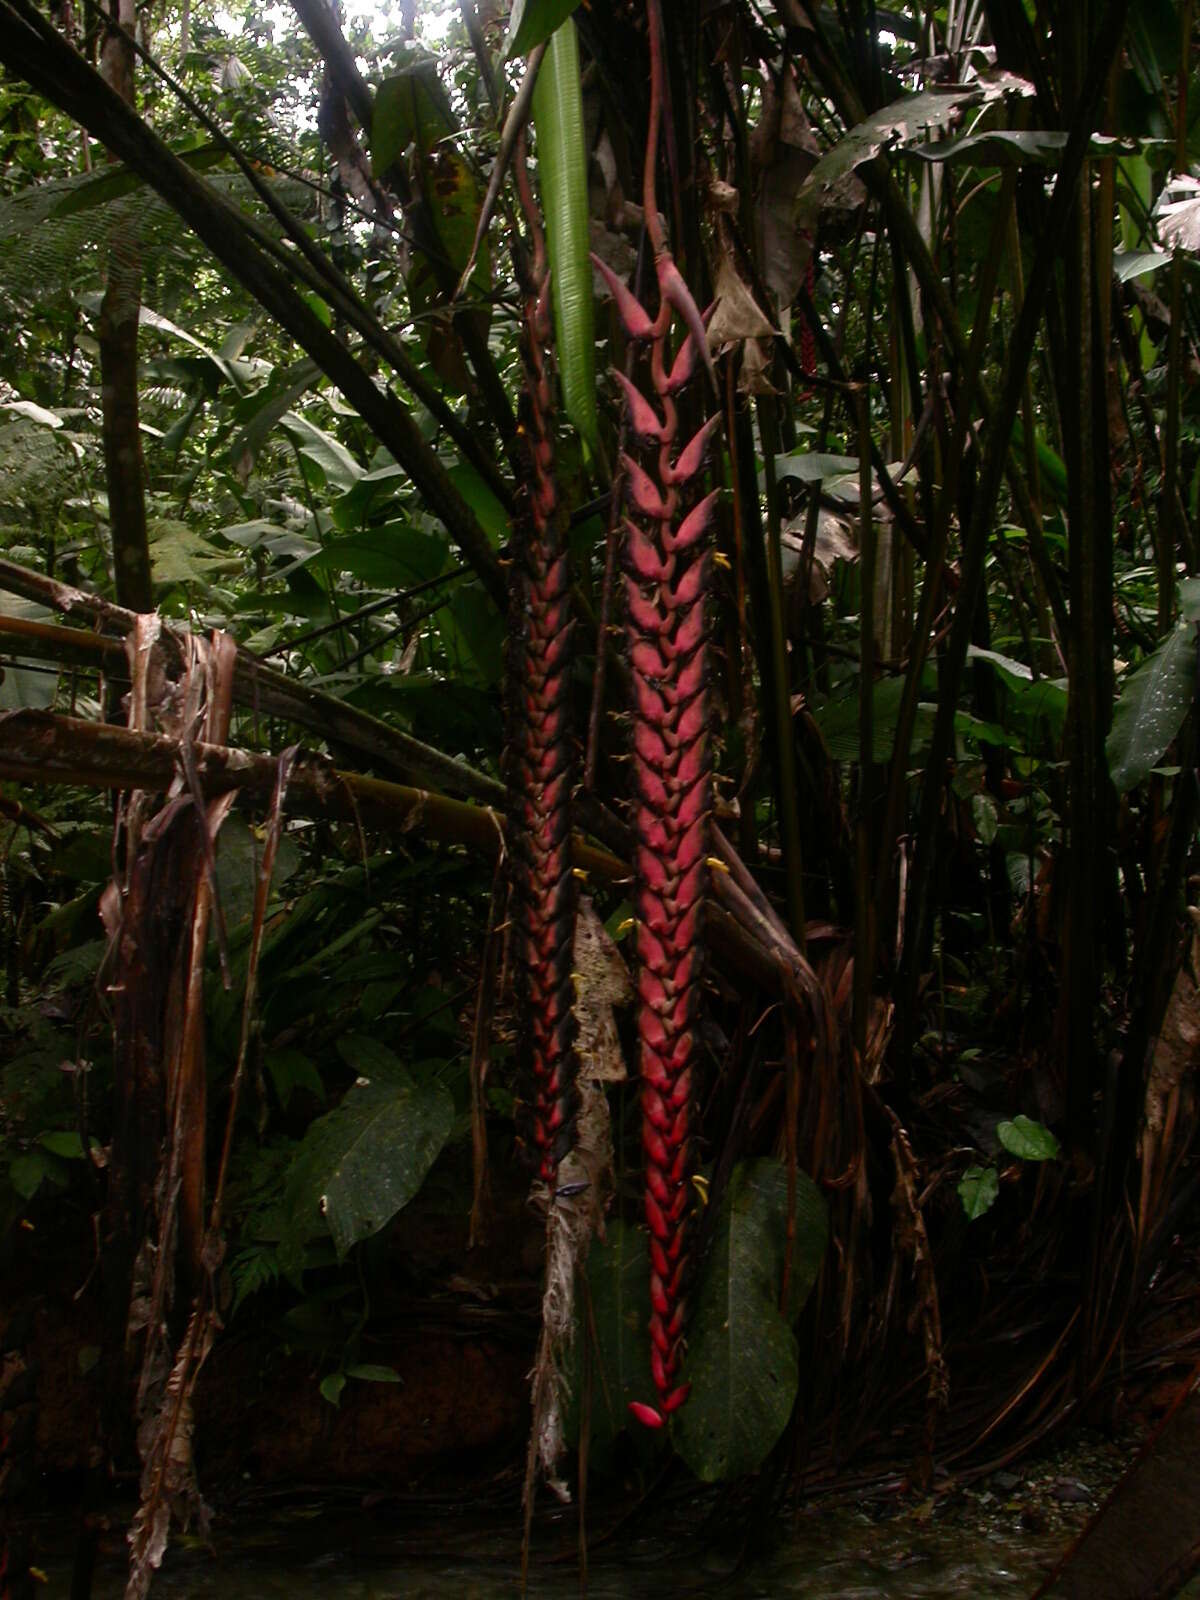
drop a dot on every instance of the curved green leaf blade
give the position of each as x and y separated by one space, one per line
338 469
1151 709
562 175
998 147
363 1161
1129 264
532 22
903 122
742 1356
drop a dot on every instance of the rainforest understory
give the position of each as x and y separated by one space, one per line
598 774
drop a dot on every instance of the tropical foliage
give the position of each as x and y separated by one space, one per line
743 761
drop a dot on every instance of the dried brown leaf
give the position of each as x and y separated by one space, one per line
602 981
736 315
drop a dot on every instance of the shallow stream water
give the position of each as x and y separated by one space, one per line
996 1538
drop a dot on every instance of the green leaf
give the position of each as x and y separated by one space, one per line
290 1070
22 690
562 178
151 319
977 1189
269 537
26 1173
1154 701
410 108
83 194
1052 469
970 727
67 1145
338 469
1189 599
181 554
812 466
1011 147
618 1283
1129 264
480 629
370 1373
361 1163
1015 673
390 557
371 1058
742 1357
985 817
252 1269
493 518
902 123
259 413
331 1387
838 722
533 21
369 495
1027 1139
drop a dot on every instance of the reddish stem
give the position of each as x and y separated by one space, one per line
540 752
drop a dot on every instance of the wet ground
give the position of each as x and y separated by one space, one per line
996 1537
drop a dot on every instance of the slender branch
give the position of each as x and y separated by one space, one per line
256 686
38 747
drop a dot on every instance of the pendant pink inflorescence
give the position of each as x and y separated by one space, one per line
540 756
667 560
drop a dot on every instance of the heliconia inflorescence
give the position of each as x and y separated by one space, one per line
540 752
666 558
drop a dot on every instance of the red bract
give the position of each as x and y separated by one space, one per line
540 763
638 322
666 570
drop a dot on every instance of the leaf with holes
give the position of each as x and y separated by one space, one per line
742 1358
410 108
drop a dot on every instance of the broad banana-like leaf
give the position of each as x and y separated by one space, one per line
562 173
742 1356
